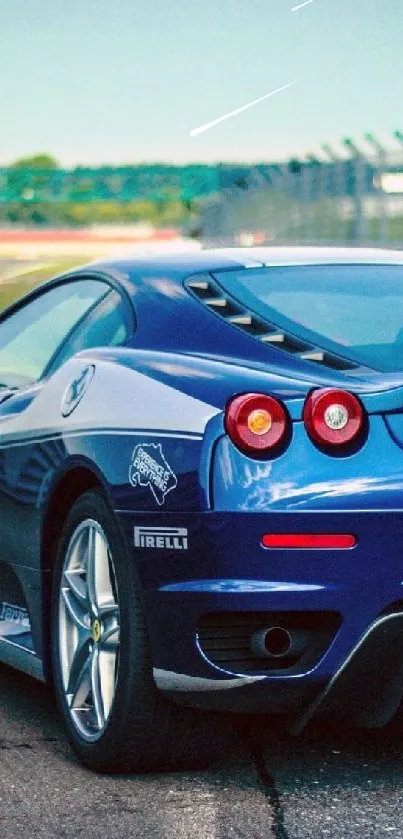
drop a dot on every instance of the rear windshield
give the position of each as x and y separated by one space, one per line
353 310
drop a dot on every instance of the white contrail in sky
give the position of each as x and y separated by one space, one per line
208 125
301 5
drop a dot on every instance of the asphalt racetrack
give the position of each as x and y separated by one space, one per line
335 783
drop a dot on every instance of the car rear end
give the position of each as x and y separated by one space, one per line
295 591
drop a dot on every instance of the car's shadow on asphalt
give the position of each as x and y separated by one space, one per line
322 755
325 750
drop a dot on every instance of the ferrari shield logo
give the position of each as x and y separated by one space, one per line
76 390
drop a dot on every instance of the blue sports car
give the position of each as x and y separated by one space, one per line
201 493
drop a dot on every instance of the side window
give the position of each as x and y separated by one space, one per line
31 335
107 325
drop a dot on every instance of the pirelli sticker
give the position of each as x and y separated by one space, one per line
161 538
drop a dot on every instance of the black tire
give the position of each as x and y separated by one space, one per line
144 731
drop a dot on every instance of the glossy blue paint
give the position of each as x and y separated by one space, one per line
307 478
181 588
167 392
235 586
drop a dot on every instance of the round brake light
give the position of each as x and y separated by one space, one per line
333 416
255 422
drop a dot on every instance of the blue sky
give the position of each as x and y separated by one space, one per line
97 81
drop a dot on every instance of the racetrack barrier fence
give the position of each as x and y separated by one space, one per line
356 198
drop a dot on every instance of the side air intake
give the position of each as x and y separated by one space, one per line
229 310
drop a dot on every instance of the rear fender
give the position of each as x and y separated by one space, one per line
305 478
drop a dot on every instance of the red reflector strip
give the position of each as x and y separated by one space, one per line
309 540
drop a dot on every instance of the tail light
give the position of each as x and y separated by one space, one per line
325 541
332 416
255 422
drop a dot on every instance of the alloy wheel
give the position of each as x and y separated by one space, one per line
89 630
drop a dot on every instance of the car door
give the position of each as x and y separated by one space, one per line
36 336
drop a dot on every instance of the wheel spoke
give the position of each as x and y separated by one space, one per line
96 690
75 580
111 637
98 573
79 678
77 611
109 611
91 564
111 628
107 676
78 551
109 615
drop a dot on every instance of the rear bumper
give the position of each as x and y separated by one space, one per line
225 570
367 690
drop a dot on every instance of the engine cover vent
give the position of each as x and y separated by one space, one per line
205 289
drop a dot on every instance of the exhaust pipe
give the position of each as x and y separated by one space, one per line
277 642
